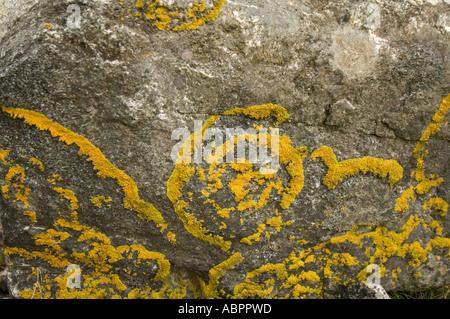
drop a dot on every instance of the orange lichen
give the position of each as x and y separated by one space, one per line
210 290
97 201
68 195
15 178
197 22
163 17
404 200
337 171
103 166
288 156
261 112
38 163
31 215
3 155
289 278
419 153
438 203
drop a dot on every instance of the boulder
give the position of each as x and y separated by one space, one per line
224 149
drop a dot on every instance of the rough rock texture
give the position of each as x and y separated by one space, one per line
92 204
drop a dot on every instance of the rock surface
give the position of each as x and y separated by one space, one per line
92 204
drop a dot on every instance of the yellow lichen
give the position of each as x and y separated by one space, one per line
337 171
252 289
99 259
404 200
424 183
53 179
419 153
289 156
249 240
3 155
261 112
38 163
15 178
163 17
68 195
103 166
31 215
291 277
97 201
172 237
210 290
197 22
438 203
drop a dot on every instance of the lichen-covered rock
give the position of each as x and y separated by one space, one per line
118 178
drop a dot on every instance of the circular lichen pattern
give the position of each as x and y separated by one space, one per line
243 196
